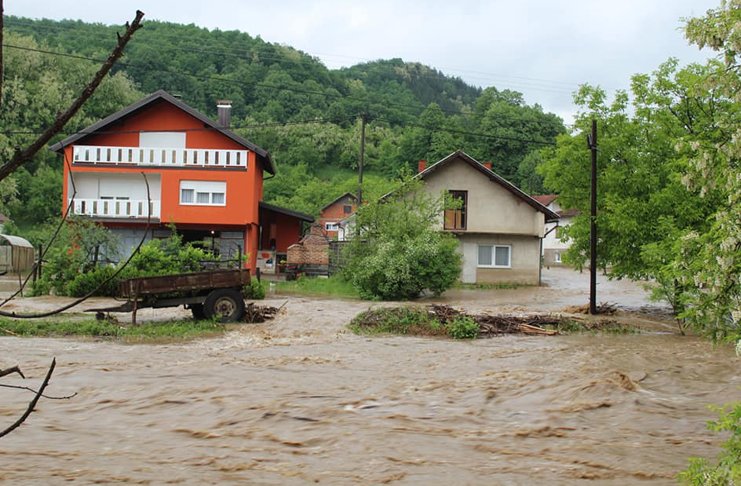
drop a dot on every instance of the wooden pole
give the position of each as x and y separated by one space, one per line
593 224
362 155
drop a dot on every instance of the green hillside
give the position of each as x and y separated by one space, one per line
283 99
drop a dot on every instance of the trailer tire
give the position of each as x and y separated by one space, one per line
225 305
198 311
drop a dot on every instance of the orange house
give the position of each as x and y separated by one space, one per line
337 210
194 172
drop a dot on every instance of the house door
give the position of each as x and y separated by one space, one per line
469 262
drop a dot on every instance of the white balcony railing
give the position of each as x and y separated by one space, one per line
167 157
109 208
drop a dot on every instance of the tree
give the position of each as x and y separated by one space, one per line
644 208
711 257
397 251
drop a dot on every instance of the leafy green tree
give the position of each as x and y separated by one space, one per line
397 252
644 208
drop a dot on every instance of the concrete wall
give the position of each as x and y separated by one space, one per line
490 208
524 258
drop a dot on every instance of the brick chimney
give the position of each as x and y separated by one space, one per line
421 165
486 164
224 108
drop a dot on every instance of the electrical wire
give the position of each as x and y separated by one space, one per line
264 85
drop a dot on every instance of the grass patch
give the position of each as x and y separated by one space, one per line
109 329
333 285
413 321
492 286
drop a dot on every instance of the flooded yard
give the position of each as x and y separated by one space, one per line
302 400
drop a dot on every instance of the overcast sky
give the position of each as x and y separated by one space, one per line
544 49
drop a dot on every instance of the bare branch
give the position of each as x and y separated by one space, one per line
14 369
28 388
23 156
33 403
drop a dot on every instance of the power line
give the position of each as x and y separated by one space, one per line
302 122
532 83
264 85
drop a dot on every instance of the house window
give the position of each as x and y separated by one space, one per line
455 218
557 258
203 193
332 226
347 209
495 256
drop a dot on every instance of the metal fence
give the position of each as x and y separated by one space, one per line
336 256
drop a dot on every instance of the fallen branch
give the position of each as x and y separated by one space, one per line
14 369
33 403
25 155
259 313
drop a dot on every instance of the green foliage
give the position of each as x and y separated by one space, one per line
398 320
36 87
413 321
79 243
727 469
397 251
71 268
255 290
414 112
464 328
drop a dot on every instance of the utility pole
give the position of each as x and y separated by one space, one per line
592 142
362 154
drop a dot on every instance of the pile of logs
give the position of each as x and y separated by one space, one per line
501 324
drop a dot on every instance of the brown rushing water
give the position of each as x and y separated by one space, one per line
302 400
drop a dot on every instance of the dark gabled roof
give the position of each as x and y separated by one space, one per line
546 199
352 196
165 96
549 215
288 212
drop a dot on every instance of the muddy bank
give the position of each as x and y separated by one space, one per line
301 399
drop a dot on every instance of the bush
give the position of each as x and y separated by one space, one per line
727 470
397 252
84 283
255 290
464 328
69 270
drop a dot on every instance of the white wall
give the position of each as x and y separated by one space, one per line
94 185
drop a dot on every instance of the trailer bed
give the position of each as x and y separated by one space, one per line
183 282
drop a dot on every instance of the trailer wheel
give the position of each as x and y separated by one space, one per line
198 311
226 305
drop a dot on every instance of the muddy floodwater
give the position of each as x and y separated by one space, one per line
301 400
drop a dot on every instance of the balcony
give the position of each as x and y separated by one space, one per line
120 208
159 157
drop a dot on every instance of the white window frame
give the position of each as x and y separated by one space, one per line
330 226
209 187
557 257
494 256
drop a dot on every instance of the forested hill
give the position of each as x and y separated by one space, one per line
182 58
285 100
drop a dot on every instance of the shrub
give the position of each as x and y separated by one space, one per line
727 470
255 290
464 328
397 252
84 283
